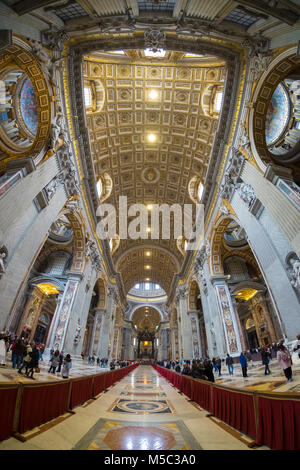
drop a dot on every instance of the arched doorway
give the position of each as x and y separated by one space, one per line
233 258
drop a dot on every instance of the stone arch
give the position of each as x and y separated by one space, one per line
246 256
278 69
215 264
102 297
194 291
144 304
78 228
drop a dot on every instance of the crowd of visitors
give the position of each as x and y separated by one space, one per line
25 355
204 368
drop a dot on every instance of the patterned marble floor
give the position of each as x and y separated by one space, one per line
98 426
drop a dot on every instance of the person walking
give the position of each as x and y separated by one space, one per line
26 359
17 353
285 361
54 361
67 365
219 365
214 363
265 357
34 362
243 362
61 358
229 363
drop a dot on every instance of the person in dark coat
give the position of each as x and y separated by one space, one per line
243 362
219 365
265 357
34 362
208 370
61 358
229 363
18 349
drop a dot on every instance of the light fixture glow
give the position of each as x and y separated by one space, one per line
147 267
151 138
149 207
153 94
148 229
148 253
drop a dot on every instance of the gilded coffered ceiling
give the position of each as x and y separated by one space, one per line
183 120
146 318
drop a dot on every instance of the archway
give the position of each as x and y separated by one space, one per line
232 257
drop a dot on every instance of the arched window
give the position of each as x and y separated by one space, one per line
93 93
99 187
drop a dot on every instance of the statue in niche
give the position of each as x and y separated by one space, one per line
77 332
244 140
2 266
295 275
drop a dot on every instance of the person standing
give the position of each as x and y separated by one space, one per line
67 365
285 361
26 359
34 362
265 357
54 361
2 350
61 358
18 349
229 363
219 365
243 362
208 370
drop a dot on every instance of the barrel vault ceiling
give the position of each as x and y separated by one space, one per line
159 172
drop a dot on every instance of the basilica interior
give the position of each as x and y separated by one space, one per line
172 106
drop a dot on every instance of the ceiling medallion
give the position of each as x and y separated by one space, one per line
150 175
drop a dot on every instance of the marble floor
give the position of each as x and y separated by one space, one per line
257 380
141 412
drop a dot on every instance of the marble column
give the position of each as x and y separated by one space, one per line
94 343
106 339
195 339
54 319
283 211
186 345
240 329
64 313
228 316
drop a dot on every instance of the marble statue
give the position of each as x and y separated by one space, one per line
77 333
295 274
2 266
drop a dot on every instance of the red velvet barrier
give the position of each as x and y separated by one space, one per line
81 391
236 409
201 395
186 385
279 423
109 379
42 403
99 384
8 398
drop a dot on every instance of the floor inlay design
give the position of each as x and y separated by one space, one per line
141 407
143 387
141 394
124 435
